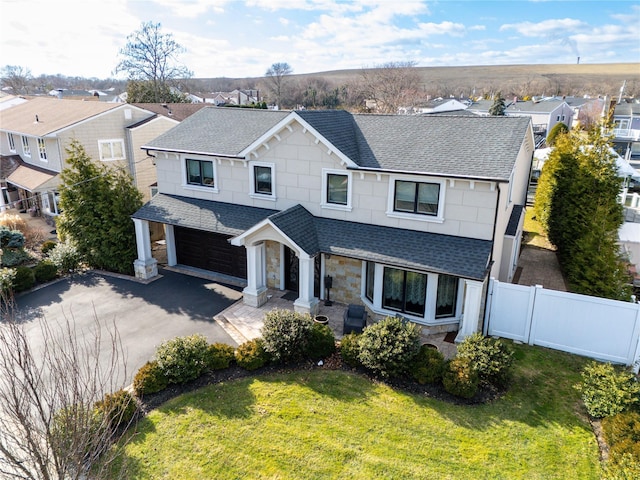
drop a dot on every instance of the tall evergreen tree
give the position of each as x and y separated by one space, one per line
498 107
577 204
97 203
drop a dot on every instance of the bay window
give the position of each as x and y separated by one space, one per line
404 291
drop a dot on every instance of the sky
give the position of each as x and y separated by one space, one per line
242 38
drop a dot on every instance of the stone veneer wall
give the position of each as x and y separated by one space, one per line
272 253
347 277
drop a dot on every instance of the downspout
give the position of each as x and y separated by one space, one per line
493 242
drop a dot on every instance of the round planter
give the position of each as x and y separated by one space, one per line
323 319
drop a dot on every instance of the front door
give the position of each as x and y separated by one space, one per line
291 270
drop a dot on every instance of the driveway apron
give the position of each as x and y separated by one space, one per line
145 315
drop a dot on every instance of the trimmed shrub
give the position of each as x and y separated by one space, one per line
350 349
149 379
622 432
387 347
607 390
286 334
24 279
491 358
11 238
459 378
219 356
7 276
558 129
427 365
65 257
183 358
251 355
48 246
45 271
118 408
322 342
14 257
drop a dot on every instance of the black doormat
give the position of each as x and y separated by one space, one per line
450 337
291 296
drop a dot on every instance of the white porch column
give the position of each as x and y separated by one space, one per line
472 304
145 266
306 302
255 293
170 239
3 205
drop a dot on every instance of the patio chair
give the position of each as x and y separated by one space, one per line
355 319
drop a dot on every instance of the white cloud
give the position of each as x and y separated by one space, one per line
477 28
546 28
444 28
192 8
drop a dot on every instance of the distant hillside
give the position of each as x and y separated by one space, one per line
521 80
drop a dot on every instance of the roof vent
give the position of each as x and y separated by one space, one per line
37 119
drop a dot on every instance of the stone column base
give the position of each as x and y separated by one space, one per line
310 307
254 298
145 269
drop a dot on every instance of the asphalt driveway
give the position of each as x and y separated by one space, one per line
144 315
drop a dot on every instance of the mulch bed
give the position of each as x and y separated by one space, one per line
435 391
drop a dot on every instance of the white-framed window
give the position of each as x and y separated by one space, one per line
12 142
446 296
111 149
50 202
336 189
26 149
199 173
416 199
426 297
153 191
42 150
263 180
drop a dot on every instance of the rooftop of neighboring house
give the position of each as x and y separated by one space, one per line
42 116
176 111
438 145
545 105
627 109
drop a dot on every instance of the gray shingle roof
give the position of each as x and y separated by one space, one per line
218 130
514 220
466 146
477 147
218 217
459 256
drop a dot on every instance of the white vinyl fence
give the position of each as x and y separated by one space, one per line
606 330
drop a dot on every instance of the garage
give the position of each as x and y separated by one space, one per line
210 251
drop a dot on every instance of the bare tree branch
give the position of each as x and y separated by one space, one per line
53 380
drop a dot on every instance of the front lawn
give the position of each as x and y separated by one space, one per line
336 424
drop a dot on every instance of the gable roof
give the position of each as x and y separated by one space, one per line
176 111
52 114
462 146
217 131
446 254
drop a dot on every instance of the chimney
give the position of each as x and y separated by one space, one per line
578 63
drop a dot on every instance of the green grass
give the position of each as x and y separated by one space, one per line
332 424
535 235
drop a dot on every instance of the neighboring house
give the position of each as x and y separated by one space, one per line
8 101
626 131
403 213
36 134
439 105
545 113
166 116
234 97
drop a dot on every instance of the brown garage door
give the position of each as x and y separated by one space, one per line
210 251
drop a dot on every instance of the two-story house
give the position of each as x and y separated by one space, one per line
34 136
408 215
626 131
545 113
